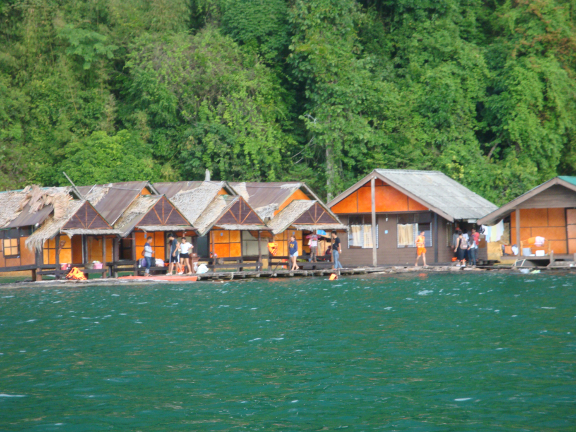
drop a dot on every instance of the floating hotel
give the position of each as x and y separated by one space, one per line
46 230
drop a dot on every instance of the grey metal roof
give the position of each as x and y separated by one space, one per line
439 192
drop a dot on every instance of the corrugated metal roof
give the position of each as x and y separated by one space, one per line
116 198
172 188
29 219
439 192
262 194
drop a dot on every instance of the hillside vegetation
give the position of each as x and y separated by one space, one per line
321 91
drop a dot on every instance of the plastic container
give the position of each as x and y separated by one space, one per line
97 266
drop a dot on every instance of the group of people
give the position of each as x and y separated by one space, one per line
180 255
313 244
466 247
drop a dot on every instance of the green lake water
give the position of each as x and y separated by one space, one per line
466 352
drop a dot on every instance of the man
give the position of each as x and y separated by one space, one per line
473 248
174 250
313 247
420 249
185 248
336 250
148 252
293 252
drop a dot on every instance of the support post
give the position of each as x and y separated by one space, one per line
374 249
259 253
39 260
104 256
435 240
115 255
133 237
57 240
84 250
518 232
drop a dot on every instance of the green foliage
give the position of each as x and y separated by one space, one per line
101 158
87 44
316 90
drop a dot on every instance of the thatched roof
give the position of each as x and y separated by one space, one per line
289 214
135 211
152 228
219 205
262 194
53 225
32 205
267 212
238 227
193 203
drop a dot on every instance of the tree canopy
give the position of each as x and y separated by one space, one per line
321 91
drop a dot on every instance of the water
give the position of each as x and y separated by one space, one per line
421 353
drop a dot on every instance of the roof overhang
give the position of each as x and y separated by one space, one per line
507 209
375 175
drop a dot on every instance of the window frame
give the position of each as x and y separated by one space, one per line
7 236
366 220
414 219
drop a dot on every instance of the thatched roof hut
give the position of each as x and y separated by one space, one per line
304 215
32 205
152 213
79 218
193 202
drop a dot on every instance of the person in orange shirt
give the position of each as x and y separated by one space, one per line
420 249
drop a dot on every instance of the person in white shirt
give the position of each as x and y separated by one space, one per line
185 252
313 243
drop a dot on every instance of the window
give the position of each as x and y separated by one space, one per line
410 226
360 232
11 243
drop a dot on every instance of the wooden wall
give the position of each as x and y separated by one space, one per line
388 199
158 244
388 251
14 237
226 244
549 223
554 197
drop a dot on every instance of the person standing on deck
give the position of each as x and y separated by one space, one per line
174 251
148 252
313 243
473 247
185 248
420 248
336 250
293 252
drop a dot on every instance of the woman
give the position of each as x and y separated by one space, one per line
185 248
460 249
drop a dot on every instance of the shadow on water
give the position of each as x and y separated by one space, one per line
430 352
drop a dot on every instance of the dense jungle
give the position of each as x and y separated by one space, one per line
321 91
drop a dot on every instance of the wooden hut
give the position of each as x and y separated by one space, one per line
151 216
541 222
289 208
21 212
111 201
192 199
387 209
56 238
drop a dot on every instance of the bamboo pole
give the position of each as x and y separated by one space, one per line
518 231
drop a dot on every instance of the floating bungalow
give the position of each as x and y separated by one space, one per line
21 213
541 223
387 209
289 208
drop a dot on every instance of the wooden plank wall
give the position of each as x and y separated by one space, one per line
549 223
388 251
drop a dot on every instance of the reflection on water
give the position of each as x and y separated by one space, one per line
420 353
